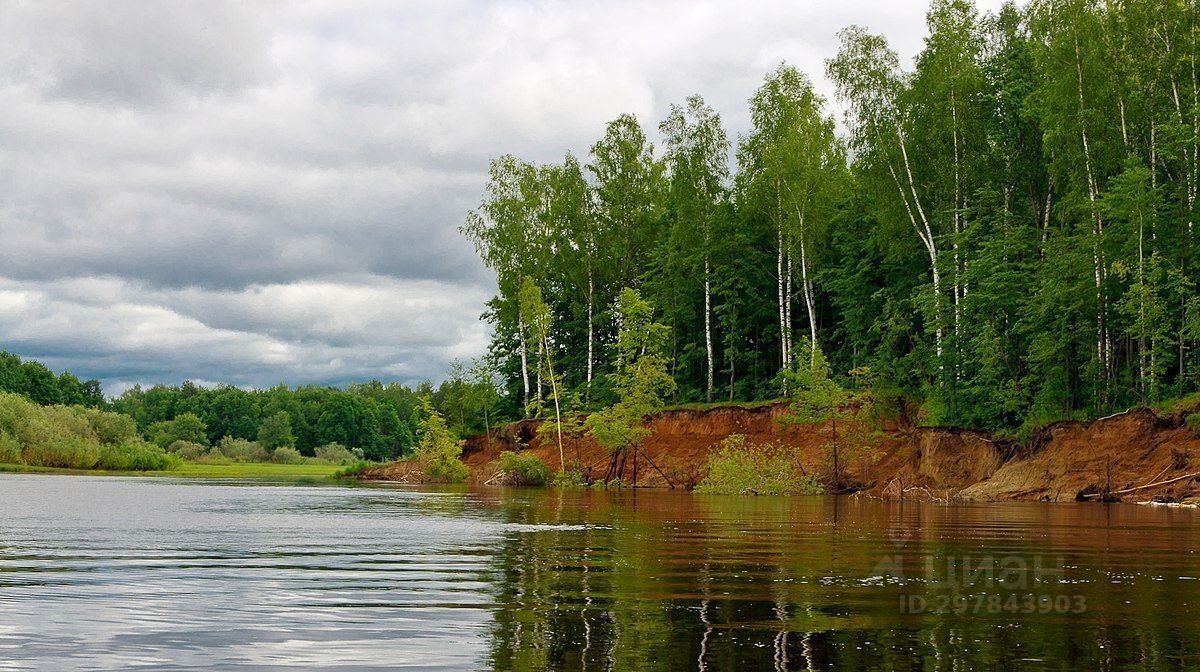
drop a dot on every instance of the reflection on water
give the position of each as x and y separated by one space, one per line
102 573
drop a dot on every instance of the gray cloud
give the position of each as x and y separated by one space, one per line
253 192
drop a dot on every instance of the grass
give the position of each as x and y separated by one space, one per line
263 470
703 406
254 470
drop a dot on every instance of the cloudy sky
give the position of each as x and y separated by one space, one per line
256 192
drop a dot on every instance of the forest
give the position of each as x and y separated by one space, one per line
58 420
1002 233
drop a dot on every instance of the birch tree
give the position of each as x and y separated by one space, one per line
697 158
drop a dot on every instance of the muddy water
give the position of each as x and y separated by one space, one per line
106 573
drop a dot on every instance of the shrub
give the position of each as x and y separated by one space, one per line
72 437
187 450
571 477
10 448
736 467
64 452
1193 423
287 455
354 469
183 427
521 469
136 456
438 450
336 453
241 450
111 428
213 456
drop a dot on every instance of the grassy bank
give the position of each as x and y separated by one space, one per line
265 471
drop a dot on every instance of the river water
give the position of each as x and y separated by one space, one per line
154 573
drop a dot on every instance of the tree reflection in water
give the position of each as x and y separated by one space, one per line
664 581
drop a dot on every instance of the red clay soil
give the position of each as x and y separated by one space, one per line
1062 462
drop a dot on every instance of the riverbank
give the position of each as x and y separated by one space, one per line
1115 457
264 470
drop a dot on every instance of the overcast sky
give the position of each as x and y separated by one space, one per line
256 192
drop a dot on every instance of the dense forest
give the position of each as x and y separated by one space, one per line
1004 232
376 420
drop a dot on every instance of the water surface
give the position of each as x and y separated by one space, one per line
150 573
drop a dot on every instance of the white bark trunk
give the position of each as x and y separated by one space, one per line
590 334
808 292
708 342
1097 224
524 362
783 344
925 233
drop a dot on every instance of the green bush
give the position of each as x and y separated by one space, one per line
1193 423
187 450
738 468
73 437
438 451
136 456
241 450
336 453
571 477
286 455
213 456
353 470
10 448
111 428
521 469
183 427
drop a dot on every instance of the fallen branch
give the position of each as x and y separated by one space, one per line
1142 487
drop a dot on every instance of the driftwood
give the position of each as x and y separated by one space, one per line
1141 487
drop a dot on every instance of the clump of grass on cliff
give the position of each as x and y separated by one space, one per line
740 468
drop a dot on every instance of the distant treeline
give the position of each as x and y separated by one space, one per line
1007 233
379 419
39 384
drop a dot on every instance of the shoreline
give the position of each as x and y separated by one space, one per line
1136 456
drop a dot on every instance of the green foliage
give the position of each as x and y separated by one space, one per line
187 450
73 437
184 427
523 469
38 383
276 432
738 468
336 453
354 469
241 450
438 451
1193 424
850 420
286 455
570 478
641 379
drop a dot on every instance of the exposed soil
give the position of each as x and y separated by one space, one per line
1062 462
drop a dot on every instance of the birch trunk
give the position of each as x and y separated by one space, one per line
524 362
708 344
806 283
590 335
562 462
783 344
1097 224
925 233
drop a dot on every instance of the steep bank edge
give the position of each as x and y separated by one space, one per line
1061 462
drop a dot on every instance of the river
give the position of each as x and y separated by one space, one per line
157 573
